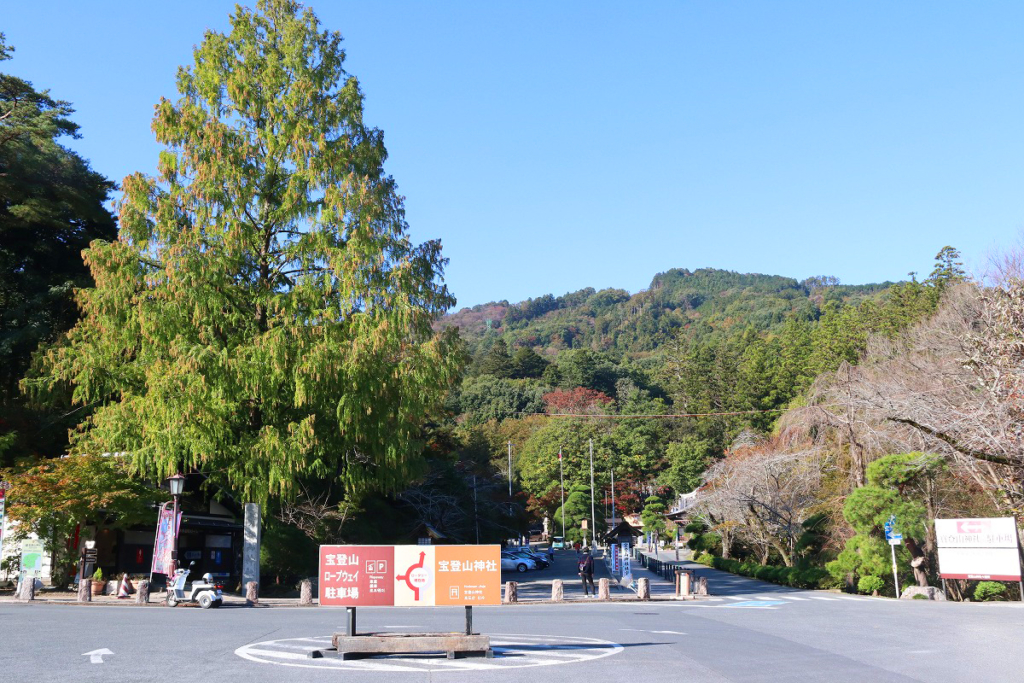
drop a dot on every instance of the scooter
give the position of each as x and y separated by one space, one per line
205 593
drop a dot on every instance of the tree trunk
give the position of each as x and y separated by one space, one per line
919 564
142 595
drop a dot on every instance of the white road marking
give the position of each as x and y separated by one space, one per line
822 597
510 652
96 656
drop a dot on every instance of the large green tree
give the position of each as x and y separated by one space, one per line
51 208
263 316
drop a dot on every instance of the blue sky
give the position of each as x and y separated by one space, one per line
555 146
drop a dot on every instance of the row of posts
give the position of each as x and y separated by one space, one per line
685 585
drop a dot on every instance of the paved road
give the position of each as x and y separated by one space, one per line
785 635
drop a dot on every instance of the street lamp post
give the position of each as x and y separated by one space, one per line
177 485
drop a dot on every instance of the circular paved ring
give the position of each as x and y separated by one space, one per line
511 651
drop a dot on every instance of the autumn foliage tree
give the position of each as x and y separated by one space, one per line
578 401
56 496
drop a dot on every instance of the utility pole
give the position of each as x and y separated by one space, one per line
593 516
561 479
476 519
510 472
613 495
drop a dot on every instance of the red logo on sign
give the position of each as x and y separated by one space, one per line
975 526
415 577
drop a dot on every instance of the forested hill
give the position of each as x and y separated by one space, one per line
703 301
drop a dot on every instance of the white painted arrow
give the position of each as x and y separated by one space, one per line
96 656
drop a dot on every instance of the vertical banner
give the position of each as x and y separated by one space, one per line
166 530
616 564
3 521
627 569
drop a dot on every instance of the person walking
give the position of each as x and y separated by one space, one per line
586 567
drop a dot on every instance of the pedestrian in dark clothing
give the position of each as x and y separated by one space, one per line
586 568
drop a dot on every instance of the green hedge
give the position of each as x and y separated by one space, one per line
812 577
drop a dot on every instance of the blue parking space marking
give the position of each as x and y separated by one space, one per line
756 603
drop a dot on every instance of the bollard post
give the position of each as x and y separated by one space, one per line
511 592
85 590
604 591
306 592
557 590
701 586
142 594
685 582
643 588
252 597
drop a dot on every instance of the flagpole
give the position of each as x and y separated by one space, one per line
561 479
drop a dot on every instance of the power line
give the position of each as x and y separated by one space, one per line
640 417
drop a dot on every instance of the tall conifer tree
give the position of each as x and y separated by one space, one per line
263 316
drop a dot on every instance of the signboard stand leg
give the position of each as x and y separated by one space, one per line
895 576
469 620
351 621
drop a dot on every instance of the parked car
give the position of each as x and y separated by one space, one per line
540 561
520 564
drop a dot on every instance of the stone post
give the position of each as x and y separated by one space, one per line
701 586
252 595
604 589
251 545
28 588
142 594
684 581
511 592
643 588
557 590
306 592
85 590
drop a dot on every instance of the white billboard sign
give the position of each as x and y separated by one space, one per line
978 548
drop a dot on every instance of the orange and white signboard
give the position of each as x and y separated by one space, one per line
468 575
410 575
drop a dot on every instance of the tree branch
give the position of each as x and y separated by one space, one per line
953 443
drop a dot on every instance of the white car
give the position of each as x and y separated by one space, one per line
520 564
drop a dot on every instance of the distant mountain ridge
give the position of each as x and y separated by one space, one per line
704 301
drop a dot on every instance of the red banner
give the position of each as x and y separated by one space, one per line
164 543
